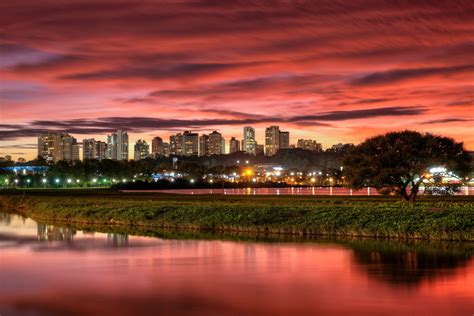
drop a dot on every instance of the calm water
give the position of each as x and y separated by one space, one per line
288 191
48 270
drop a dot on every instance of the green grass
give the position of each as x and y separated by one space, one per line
430 218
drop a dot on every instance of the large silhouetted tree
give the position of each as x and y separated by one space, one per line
401 161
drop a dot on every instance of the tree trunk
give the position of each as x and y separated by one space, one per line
414 191
403 191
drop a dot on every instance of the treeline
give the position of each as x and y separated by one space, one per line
217 164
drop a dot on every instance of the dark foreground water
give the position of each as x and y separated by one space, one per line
49 270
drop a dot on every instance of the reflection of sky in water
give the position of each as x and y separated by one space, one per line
60 270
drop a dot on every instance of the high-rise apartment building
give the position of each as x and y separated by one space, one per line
234 145
88 148
284 140
157 148
176 145
54 147
166 149
100 150
47 147
248 142
141 150
215 143
117 145
222 146
185 144
272 140
309 144
190 143
203 145
93 149
275 140
212 144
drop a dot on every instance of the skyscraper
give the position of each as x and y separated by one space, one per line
284 140
117 145
93 149
100 150
48 146
272 140
176 145
186 144
141 150
203 145
88 148
248 142
275 140
54 147
234 145
190 143
215 143
166 149
157 148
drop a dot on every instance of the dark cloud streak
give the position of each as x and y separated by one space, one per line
141 124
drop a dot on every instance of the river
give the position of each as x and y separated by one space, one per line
51 270
287 191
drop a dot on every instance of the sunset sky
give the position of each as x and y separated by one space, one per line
334 71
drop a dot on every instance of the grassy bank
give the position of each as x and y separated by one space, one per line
430 218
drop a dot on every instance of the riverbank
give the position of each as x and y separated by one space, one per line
430 218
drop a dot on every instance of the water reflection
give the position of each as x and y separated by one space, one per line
410 263
189 273
54 233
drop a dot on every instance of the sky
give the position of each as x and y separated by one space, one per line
334 71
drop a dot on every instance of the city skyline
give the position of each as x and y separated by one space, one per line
338 72
52 146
